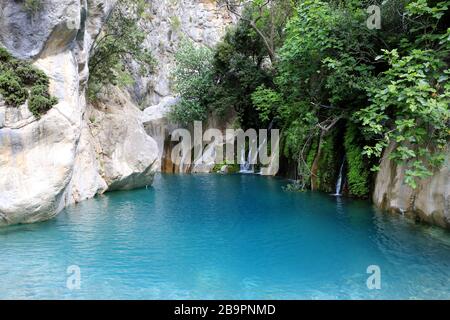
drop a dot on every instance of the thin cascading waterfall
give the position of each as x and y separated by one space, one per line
246 164
249 166
340 179
242 167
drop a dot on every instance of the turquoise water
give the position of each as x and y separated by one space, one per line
223 237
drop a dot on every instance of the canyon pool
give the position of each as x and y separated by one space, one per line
223 237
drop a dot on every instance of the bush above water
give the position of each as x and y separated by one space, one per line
20 81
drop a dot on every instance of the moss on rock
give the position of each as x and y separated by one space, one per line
358 174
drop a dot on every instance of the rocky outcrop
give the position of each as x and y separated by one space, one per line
159 127
52 28
126 154
202 21
429 202
65 157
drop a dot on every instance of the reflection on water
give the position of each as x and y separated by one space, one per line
224 237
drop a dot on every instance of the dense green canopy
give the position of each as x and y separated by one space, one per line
323 67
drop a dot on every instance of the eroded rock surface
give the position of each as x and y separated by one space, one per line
430 202
202 21
64 157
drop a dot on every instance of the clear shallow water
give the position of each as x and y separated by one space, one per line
223 237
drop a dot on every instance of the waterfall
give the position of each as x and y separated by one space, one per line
242 162
246 165
339 181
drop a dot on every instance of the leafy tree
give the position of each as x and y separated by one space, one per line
325 70
221 82
322 73
121 42
238 70
193 79
266 18
330 70
409 106
20 81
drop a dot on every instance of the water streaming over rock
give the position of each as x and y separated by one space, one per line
340 179
246 164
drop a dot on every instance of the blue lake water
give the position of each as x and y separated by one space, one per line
224 237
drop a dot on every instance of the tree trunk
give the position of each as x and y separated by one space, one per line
315 165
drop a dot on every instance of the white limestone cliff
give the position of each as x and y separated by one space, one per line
205 23
62 158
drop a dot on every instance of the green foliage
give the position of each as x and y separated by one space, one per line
305 164
409 105
192 79
121 42
330 68
266 101
321 76
326 172
323 67
5 56
238 71
32 6
40 100
295 186
232 167
358 172
222 82
16 79
11 89
30 75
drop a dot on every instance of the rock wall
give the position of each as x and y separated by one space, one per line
65 156
430 202
202 21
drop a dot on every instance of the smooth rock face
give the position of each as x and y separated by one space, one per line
159 127
36 163
63 158
126 154
37 156
27 34
430 202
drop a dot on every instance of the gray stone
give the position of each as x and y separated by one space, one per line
429 202
63 158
